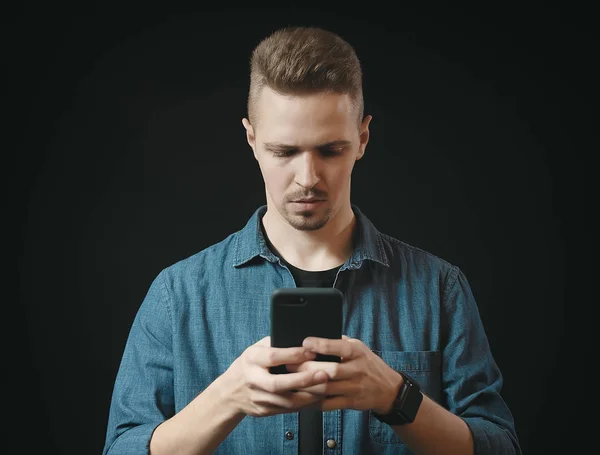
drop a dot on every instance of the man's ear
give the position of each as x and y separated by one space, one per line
364 136
250 135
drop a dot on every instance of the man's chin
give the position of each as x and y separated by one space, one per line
307 221
307 226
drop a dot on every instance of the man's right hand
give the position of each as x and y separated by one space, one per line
255 391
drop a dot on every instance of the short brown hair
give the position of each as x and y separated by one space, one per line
303 60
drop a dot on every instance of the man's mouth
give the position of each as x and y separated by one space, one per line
307 201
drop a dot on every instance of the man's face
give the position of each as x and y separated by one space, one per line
306 147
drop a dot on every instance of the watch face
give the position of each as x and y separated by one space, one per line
406 404
412 403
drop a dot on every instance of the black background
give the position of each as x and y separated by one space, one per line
127 153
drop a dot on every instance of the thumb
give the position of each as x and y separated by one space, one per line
266 341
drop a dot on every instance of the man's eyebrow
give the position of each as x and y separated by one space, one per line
282 146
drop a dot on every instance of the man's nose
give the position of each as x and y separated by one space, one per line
307 174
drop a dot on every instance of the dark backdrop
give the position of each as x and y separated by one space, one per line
127 154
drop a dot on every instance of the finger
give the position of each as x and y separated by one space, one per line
280 383
269 357
301 399
263 404
340 347
273 403
266 341
319 390
336 402
333 388
293 367
335 370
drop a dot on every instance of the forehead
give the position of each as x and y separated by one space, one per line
297 119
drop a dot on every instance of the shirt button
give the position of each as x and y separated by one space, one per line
289 435
331 443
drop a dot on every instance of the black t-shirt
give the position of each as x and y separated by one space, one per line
310 421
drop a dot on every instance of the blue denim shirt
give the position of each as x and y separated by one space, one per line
410 307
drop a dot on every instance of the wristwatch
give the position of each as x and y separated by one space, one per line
406 404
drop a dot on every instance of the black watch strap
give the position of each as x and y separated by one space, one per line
406 404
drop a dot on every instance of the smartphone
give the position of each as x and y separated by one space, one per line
297 313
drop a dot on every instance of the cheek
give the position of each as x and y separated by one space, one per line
276 179
338 176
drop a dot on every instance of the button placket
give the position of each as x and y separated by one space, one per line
332 428
289 435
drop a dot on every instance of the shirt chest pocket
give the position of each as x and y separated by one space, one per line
425 368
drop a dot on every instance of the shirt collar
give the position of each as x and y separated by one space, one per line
250 242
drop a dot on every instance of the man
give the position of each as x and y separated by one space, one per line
416 372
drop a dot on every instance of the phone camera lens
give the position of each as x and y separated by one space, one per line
302 300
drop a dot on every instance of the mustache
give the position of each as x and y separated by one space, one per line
316 194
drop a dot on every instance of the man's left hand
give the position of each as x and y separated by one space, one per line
361 381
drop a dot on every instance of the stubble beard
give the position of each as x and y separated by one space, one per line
307 220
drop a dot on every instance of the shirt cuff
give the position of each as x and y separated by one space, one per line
135 441
489 437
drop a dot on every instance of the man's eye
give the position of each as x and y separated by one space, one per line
284 153
324 152
332 152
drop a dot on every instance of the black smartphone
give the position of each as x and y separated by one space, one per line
297 313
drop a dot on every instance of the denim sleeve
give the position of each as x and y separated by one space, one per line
143 390
471 379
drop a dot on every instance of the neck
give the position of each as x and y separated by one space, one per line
322 249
